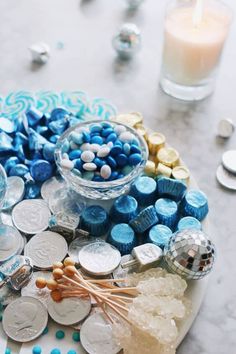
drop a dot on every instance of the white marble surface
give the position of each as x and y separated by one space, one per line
88 62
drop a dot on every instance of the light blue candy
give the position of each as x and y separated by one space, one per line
86 137
7 125
19 170
99 162
97 140
33 116
144 190
77 138
195 204
126 170
58 114
37 350
111 137
53 139
5 142
126 149
71 351
94 128
189 222
12 161
135 159
8 351
55 351
58 126
88 175
48 151
74 154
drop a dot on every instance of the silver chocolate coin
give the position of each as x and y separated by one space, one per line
46 248
96 336
229 160
69 311
31 289
15 192
50 186
225 128
24 319
225 178
99 258
31 216
77 244
120 272
10 242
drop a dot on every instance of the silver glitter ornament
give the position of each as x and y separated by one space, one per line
127 41
190 254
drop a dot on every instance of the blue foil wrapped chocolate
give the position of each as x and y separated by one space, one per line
189 222
144 220
144 190
167 212
95 220
122 236
159 235
171 188
124 209
195 204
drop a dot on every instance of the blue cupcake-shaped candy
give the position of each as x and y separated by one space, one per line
124 209
189 222
94 219
122 236
195 204
159 235
144 190
144 220
171 188
167 212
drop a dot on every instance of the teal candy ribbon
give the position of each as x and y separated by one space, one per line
46 101
17 103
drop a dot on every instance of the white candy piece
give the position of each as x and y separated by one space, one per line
40 52
105 171
119 129
89 166
104 151
65 156
126 137
87 156
95 147
110 144
85 147
67 164
74 146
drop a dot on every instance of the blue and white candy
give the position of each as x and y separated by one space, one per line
107 149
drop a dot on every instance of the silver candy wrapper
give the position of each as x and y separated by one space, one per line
127 41
134 4
190 254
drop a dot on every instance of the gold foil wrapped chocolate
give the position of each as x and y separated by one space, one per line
150 168
156 141
130 119
163 170
168 156
181 172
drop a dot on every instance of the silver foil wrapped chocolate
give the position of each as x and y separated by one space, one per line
127 41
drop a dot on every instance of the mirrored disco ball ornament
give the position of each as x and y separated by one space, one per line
127 41
190 254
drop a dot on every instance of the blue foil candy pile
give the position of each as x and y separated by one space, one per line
150 213
30 126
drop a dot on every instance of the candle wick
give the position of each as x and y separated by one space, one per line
198 13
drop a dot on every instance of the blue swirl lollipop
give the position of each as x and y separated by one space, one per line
101 108
76 102
17 103
46 101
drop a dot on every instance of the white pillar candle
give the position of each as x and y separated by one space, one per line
193 41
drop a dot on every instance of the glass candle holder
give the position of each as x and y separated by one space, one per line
194 36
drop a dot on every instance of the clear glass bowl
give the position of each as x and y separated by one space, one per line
100 190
